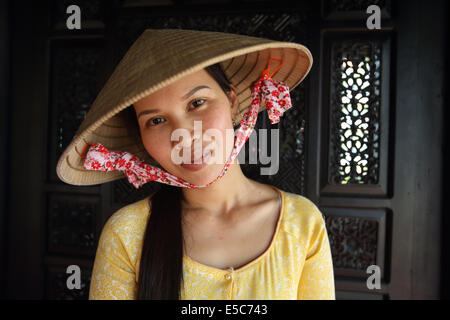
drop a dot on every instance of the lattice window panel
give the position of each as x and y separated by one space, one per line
355 117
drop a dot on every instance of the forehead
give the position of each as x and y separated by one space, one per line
176 90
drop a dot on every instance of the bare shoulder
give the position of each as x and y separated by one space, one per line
267 203
264 193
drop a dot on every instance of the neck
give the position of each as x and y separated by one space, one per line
231 190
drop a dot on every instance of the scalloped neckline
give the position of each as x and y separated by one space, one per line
257 259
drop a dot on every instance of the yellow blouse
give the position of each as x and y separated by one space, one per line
296 265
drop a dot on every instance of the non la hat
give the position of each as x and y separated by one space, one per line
158 58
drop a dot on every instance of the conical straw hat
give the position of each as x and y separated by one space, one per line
158 58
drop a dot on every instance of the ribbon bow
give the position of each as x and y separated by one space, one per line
275 93
277 99
276 96
137 171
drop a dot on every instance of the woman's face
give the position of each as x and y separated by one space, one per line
172 110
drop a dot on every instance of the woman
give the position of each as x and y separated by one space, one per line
205 234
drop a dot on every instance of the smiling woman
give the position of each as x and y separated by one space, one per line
205 234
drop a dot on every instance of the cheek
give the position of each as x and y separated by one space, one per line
219 117
156 148
219 123
223 141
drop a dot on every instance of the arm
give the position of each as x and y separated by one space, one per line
113 276
317 279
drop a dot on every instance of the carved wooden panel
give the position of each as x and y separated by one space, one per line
355 118
358 239
73 220
74 80
72 224
356 115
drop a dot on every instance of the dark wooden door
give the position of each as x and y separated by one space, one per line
363 142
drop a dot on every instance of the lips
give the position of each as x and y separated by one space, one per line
198 161
199 166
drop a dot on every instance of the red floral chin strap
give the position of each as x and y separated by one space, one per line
277 99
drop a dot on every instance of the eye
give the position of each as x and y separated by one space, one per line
196 100
151 122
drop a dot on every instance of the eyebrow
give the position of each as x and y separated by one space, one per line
190 93
186 96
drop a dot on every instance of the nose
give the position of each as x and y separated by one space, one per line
190 136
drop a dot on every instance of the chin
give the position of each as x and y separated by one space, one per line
202 176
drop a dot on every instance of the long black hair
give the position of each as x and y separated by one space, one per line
161 264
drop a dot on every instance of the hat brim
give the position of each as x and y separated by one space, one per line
136 76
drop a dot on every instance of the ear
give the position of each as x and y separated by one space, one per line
234 101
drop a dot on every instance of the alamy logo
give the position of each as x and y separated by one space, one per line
74 20
374 20
373 281
257 145
74 280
